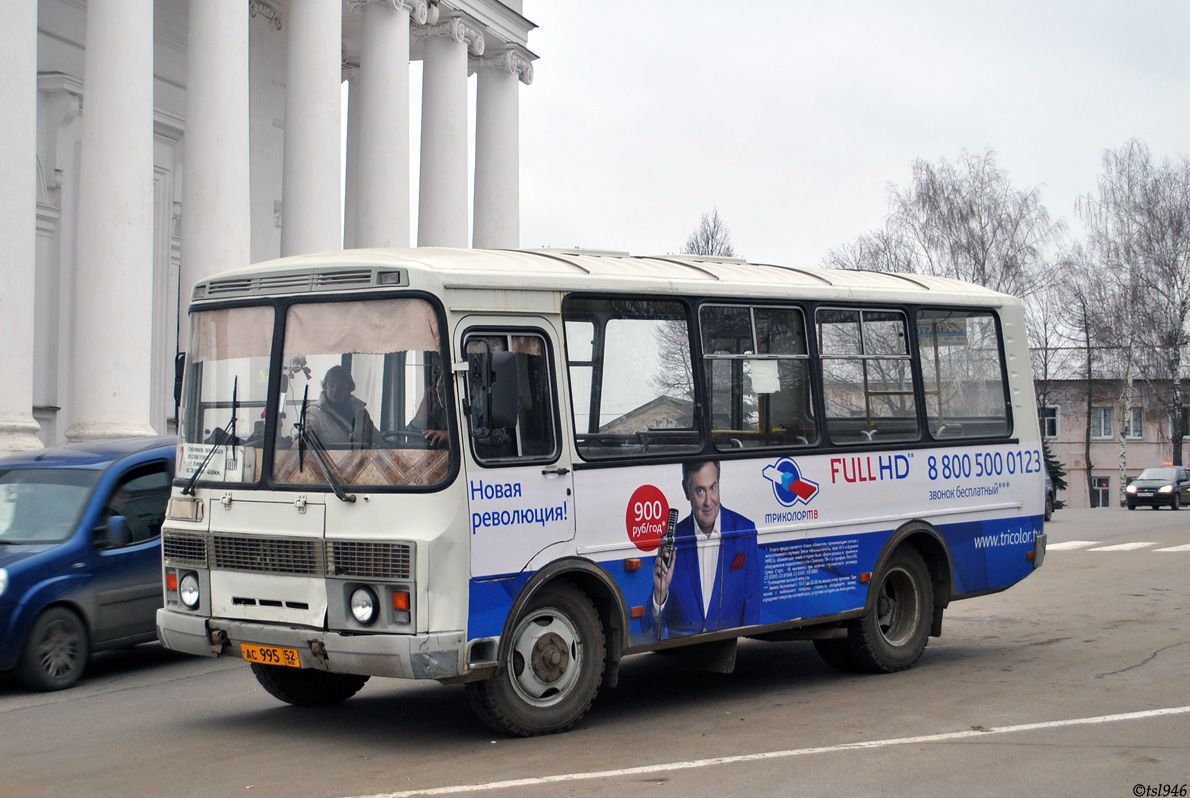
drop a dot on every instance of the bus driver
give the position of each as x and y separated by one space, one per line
340 420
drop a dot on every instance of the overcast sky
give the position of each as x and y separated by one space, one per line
793 118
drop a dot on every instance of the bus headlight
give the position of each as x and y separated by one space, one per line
3 580
364 605
188 590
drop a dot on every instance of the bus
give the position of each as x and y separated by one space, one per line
510 469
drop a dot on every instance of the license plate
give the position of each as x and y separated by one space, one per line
270 655
1146 493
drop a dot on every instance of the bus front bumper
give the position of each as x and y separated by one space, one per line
429 656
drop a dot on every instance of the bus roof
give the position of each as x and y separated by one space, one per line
580 270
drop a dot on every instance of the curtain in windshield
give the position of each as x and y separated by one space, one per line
365 397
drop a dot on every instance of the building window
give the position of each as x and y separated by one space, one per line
1100 492
1048 416
1134 423
1101 422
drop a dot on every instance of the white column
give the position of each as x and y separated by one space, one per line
310 206
18 222
382 196
114 280
351 176
497 151
216 217
442 207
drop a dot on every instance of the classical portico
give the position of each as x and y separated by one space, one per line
174 139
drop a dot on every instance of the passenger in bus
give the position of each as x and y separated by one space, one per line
339 419
430 418
712 581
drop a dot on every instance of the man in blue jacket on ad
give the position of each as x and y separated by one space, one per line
711 580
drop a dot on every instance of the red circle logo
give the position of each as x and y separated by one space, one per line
646 517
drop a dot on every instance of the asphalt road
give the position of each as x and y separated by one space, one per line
1074 682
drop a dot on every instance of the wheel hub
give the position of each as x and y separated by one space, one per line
58 651
551 657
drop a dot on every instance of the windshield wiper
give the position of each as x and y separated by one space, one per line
309 436
301 425
223 437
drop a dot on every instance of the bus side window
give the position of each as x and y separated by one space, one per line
631 377
867 379
758 376
533 434
965 384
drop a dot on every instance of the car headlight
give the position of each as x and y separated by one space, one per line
1165 489
1130 489
3 580
364 605
188 590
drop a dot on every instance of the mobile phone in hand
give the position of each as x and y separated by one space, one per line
667 544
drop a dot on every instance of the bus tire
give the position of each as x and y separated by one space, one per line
56 652
304 687
891 635
551 670
837 654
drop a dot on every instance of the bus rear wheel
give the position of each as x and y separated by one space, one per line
303 687
552 668
892 634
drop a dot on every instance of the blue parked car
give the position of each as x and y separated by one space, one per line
80 554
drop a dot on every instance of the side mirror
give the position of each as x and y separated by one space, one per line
179 372
117 534
492 390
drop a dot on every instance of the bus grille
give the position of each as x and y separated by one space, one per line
296 556
267 555
180 548
367 560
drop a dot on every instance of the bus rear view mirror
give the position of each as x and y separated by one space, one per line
179 373
491 390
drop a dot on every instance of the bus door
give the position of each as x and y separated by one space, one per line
519 482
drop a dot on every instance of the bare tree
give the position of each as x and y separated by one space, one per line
1138 232
711 237
883 250
963 220
1050 337
675 378
1165 253
1086 327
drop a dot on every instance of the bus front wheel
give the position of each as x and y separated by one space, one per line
891 635
303 687
551 670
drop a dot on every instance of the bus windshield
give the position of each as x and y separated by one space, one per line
222 413
362 401
364 396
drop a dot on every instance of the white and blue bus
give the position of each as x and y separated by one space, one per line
510 469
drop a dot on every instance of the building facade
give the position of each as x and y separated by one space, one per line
1145 428
150 143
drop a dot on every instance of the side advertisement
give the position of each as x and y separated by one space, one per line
768 540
